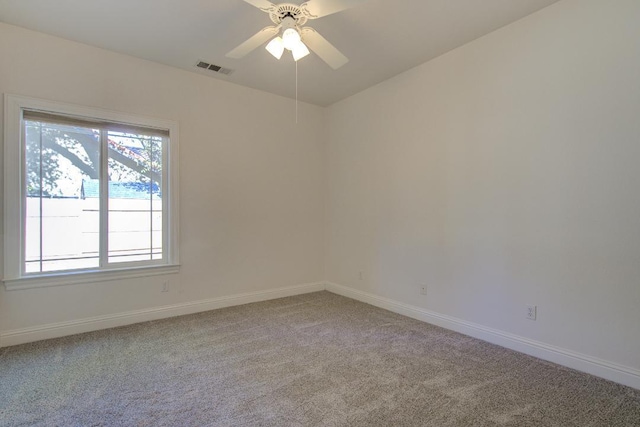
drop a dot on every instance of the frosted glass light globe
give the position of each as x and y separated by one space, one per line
290 38
300 51
275 47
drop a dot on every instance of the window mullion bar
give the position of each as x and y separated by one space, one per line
40 201
151 170
165 192
104 197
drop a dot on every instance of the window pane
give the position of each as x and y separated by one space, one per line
61 225
135 197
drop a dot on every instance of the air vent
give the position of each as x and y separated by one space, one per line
214 68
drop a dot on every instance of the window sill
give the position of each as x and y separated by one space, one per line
62 279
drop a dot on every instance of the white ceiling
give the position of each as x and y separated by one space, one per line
381 38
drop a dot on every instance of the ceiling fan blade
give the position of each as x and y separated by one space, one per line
253 43
318 8
263 5
325 50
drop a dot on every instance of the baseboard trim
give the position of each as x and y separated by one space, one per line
60 329
581 362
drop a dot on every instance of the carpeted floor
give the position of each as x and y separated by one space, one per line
311 360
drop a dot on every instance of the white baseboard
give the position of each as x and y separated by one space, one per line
581 362
55 330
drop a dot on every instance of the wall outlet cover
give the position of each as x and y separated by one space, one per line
532 312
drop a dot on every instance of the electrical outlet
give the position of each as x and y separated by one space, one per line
165 286
532 312
360 275
423 290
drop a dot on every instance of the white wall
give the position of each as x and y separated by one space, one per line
501 174
250 183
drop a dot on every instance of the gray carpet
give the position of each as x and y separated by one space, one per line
311 360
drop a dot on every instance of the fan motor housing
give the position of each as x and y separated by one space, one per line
285 10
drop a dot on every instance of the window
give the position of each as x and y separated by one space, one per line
89 194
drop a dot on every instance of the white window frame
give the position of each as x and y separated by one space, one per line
14 200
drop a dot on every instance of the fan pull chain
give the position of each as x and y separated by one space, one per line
296 92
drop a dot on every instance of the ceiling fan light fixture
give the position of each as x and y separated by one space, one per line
299 51
290 38
289 22
276 47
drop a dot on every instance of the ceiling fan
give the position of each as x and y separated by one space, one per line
290 19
